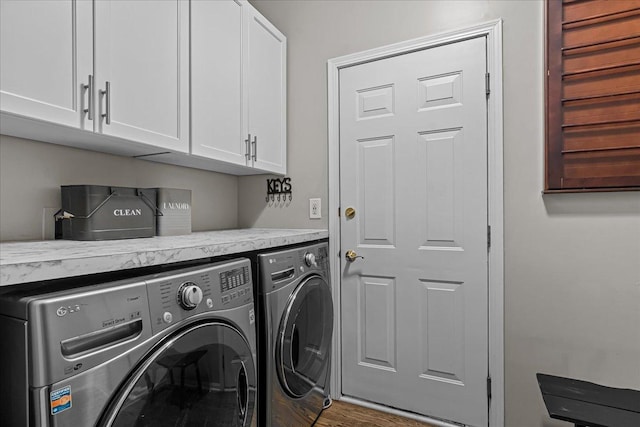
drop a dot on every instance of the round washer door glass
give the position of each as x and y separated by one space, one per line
304 337
203 376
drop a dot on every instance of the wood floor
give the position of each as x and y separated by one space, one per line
341 414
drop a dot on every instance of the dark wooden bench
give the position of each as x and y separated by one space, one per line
589 405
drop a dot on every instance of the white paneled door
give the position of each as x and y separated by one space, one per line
413 166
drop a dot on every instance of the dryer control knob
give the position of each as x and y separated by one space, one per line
189 295
310 260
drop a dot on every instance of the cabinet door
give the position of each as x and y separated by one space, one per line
266 79
142 52
218 127
46 56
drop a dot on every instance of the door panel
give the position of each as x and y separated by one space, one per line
266 75
376 190
217 127
413 165
147 67
443 205
376 322
441 332
47 56
375 102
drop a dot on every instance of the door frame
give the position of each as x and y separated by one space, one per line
492 30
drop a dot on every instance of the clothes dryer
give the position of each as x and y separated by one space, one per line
168 349
296 314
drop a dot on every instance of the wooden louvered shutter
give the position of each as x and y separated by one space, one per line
593 95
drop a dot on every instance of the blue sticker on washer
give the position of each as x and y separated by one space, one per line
60 400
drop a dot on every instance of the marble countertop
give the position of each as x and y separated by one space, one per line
23 262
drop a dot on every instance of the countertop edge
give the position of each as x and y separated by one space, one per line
24 262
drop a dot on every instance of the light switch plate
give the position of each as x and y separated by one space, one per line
315 209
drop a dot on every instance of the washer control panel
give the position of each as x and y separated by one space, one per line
235 284
191 291
310 259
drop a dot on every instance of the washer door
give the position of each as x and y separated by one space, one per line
203 376
304 337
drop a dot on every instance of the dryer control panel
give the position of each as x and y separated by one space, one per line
278 269
189 292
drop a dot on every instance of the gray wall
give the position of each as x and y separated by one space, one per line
572 261
31 174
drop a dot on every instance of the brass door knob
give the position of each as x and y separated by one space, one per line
350 213
352 256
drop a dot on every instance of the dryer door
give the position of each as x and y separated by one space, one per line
304 338
204 375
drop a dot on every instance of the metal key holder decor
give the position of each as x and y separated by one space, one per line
279 190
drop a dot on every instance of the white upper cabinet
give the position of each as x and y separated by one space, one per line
266 93
197 83
218 124
46 58
238 86
142 71
134 85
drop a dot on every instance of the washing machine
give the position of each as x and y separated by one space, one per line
175 348
296 317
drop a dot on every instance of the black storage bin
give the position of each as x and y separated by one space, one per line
96 212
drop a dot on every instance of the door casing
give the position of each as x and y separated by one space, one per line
493 31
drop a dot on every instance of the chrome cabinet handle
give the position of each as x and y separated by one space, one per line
247 151
255 148
107 94
89 88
